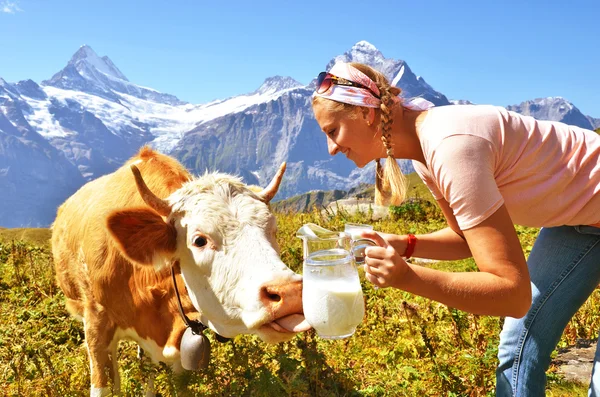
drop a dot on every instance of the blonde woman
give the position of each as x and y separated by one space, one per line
489 169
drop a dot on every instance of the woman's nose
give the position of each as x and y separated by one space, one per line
332 147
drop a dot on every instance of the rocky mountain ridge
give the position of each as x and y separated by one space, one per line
88 118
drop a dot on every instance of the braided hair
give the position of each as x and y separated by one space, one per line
390 182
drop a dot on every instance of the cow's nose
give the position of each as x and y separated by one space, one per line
282 298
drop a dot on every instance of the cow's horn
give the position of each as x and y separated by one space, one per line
270 191
157 204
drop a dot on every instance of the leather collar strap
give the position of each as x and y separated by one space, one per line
196 326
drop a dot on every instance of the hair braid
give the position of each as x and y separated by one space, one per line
390 182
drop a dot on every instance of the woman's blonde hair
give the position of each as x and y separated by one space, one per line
390 182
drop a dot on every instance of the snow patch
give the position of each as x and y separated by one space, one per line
167 123
43 121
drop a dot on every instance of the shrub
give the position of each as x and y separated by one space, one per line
415 210
405 346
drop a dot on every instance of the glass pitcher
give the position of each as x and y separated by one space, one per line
359 244
332 297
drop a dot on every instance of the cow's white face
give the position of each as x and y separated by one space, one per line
223 236
229 259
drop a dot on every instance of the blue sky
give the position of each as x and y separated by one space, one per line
496 52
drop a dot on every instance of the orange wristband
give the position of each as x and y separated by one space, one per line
410 246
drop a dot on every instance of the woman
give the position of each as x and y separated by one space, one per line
488 168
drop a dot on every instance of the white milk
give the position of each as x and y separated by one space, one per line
333 307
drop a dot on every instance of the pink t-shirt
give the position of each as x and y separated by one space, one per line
479 157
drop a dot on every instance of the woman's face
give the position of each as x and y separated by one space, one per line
349 135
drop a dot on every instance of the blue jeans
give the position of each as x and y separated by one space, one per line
564 266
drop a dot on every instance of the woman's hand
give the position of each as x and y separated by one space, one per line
383 266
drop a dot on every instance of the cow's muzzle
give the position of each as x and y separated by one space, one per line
283 302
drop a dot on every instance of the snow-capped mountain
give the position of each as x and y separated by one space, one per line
284 129
35 177
92 113
89 118
550 108
554 108
274 84
397 71
461 102
87 72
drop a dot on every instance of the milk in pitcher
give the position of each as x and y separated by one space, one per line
332 296
334 309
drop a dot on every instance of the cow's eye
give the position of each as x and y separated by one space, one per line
200 241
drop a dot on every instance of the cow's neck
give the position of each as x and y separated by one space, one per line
196 326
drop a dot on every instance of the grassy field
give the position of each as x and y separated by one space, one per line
35 236
320 199
406 345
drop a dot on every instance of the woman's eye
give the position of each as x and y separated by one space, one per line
331 133
200 241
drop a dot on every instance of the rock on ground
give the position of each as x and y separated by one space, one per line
354 205
575 363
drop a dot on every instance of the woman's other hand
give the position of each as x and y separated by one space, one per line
384 266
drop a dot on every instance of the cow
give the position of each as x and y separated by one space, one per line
144 251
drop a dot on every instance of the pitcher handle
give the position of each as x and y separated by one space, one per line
358 249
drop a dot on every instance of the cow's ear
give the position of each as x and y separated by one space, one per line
142 235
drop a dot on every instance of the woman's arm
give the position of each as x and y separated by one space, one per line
445 244
501 288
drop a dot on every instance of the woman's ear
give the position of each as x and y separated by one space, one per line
371 116
368 115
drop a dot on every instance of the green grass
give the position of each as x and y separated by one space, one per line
416 188
36 236
406 345
320 199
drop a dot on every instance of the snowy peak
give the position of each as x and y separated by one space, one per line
461 102
555 101
7 90
87 72
5 84
553 108
30 89
363 52
86 58
367 53
364 46
396 71
547 104
277 83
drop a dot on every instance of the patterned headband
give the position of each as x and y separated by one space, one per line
361 96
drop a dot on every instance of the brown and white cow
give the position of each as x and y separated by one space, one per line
114 243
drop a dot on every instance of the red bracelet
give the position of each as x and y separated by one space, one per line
410 246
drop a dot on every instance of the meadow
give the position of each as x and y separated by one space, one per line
406 345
